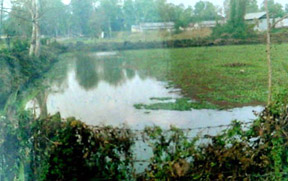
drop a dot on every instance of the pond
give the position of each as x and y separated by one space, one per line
102 89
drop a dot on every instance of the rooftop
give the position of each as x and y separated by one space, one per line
251 16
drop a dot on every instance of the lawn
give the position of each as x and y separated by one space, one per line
226 76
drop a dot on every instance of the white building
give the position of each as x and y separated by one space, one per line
206 24
258 19
168 26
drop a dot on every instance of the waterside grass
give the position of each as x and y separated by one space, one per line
181 104
226 76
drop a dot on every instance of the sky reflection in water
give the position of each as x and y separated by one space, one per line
100 90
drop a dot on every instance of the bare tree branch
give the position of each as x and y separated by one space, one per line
279 20
20 17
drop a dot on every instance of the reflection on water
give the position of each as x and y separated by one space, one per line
102 90
86 72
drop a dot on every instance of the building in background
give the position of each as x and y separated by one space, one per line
258 19
205 24
154 26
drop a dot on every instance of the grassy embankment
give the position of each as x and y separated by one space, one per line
149 36
217 77
19 71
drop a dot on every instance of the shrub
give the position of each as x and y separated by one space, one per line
238 153
227 31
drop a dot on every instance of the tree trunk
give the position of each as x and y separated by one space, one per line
35 38
2 6
268 51
42 102
38 38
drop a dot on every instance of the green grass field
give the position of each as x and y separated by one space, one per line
227 76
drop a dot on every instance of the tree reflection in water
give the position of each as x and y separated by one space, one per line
92 69
86 73
89 71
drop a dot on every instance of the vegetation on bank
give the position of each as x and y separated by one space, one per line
256 152
181 40
180 104
53 149
18 69
57 149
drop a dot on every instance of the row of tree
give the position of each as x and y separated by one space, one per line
92 17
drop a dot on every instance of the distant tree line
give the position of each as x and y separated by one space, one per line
95 17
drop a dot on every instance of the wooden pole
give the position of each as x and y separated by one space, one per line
268 52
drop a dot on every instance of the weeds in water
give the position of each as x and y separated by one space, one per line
181 104
161 98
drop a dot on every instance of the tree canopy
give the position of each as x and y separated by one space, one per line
275 9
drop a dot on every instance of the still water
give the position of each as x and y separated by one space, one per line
101 89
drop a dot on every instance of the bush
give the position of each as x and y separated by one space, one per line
238 153
227 31
64 150
79 151
71 150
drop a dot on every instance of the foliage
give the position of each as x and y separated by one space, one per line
275 9
59 149
205 11
14 142
252 6
91 18
236 26
172 152
64 150
18 69
180 104
72 151
81 11
256 152
56 20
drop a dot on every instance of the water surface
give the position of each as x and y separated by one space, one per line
100 89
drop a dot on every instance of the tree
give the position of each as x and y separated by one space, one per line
56 19
129 13
252 6
165 11
18 22
204 10
36 9
236 26
275 9
81 13
268 46
111 16
181 16
268 50
236 19
146 11
226 6
96 24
